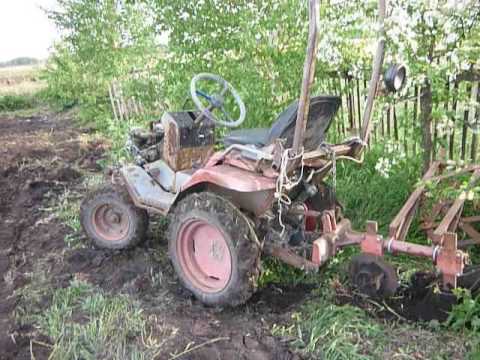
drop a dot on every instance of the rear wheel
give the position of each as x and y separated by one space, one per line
214 250
111 220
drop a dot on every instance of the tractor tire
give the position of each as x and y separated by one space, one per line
111 220
214 250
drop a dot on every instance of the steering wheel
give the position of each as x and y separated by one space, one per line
217 100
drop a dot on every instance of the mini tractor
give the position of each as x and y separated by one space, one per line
263 194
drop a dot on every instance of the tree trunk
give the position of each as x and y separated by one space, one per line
426 120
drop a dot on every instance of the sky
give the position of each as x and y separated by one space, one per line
25 30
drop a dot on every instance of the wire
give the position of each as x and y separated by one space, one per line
284 183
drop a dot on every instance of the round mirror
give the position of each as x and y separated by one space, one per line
395 77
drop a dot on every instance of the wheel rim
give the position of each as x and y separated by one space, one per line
110 222
204 255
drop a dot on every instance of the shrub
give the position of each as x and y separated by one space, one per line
16 102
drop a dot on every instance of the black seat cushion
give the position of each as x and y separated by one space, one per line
257 137
321 113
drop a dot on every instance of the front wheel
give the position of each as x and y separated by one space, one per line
111 220
214 250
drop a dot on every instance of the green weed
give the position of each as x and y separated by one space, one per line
466 314
68 210
329 331
275 271
17 102
367 195
85 323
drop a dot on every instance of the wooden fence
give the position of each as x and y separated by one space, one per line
400 121
123 107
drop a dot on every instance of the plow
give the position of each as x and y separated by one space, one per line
264 192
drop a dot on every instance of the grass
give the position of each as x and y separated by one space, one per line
67 208
20 89
16 102
83 322
331 331
20 80
323 329
367 195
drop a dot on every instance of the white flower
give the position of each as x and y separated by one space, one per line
184 16
383 166
470 195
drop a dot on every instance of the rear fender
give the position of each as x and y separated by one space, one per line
247 190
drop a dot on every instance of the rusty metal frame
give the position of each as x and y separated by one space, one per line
309 73
452 218
444 252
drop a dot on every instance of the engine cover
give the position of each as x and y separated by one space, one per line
186 144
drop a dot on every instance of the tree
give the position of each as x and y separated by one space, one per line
439 40
258 46
101 41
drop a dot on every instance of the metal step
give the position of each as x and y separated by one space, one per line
145 191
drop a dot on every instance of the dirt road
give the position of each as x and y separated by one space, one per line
42 158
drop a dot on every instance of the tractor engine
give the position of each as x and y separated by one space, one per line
145 145
177 138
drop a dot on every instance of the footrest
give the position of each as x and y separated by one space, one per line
145 191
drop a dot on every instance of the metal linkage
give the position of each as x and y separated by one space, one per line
444 252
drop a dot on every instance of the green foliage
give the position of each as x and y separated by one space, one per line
438 40
330 331
258 46
277 272
16 102
457 186
85 323
102 42
368 194
466 314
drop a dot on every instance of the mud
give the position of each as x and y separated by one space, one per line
420 299
38 157
41 158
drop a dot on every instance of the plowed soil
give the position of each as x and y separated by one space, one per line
41 158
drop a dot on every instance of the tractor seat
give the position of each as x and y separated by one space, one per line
321 113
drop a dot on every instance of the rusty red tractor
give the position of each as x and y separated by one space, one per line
263 194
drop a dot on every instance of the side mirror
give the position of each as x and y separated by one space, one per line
395 77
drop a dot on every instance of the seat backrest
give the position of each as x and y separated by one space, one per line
321 113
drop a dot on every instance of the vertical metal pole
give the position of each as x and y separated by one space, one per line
308 75
377 66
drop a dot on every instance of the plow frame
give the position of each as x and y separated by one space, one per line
445 249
